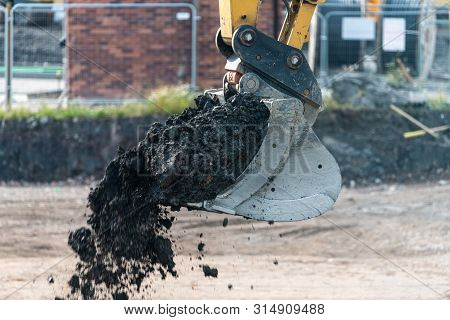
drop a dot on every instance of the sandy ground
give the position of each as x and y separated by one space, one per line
380 242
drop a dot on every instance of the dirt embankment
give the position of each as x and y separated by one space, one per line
45 150
368 144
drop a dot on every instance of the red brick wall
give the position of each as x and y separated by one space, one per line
123 53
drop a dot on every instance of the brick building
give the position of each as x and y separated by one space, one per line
123 53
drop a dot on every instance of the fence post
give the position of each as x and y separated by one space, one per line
194 42
324 47
8 55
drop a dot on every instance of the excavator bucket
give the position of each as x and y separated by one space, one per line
292 177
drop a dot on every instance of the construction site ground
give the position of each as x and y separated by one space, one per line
380 242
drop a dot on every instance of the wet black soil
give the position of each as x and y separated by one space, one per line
210 271
370 148
201 247
190 158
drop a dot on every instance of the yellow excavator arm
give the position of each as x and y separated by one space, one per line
235 13
293 176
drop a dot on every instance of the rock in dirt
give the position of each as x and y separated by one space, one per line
192 157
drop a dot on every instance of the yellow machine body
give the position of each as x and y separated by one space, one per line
235 13
373 9
295 30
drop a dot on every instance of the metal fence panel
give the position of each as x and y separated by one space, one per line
422 42
115 52
37 55
343 52
3 26
101 53
440 69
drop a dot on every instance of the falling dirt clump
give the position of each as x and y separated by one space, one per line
200 246
209 271
82 242
74 283
190 158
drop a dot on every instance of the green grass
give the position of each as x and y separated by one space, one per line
331 104
171 100
440 102
394 76
167 100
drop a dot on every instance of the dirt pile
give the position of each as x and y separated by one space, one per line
372 91
369 146
191 158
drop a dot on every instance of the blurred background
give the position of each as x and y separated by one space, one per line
95 52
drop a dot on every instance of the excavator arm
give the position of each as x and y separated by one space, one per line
293 176
235 13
